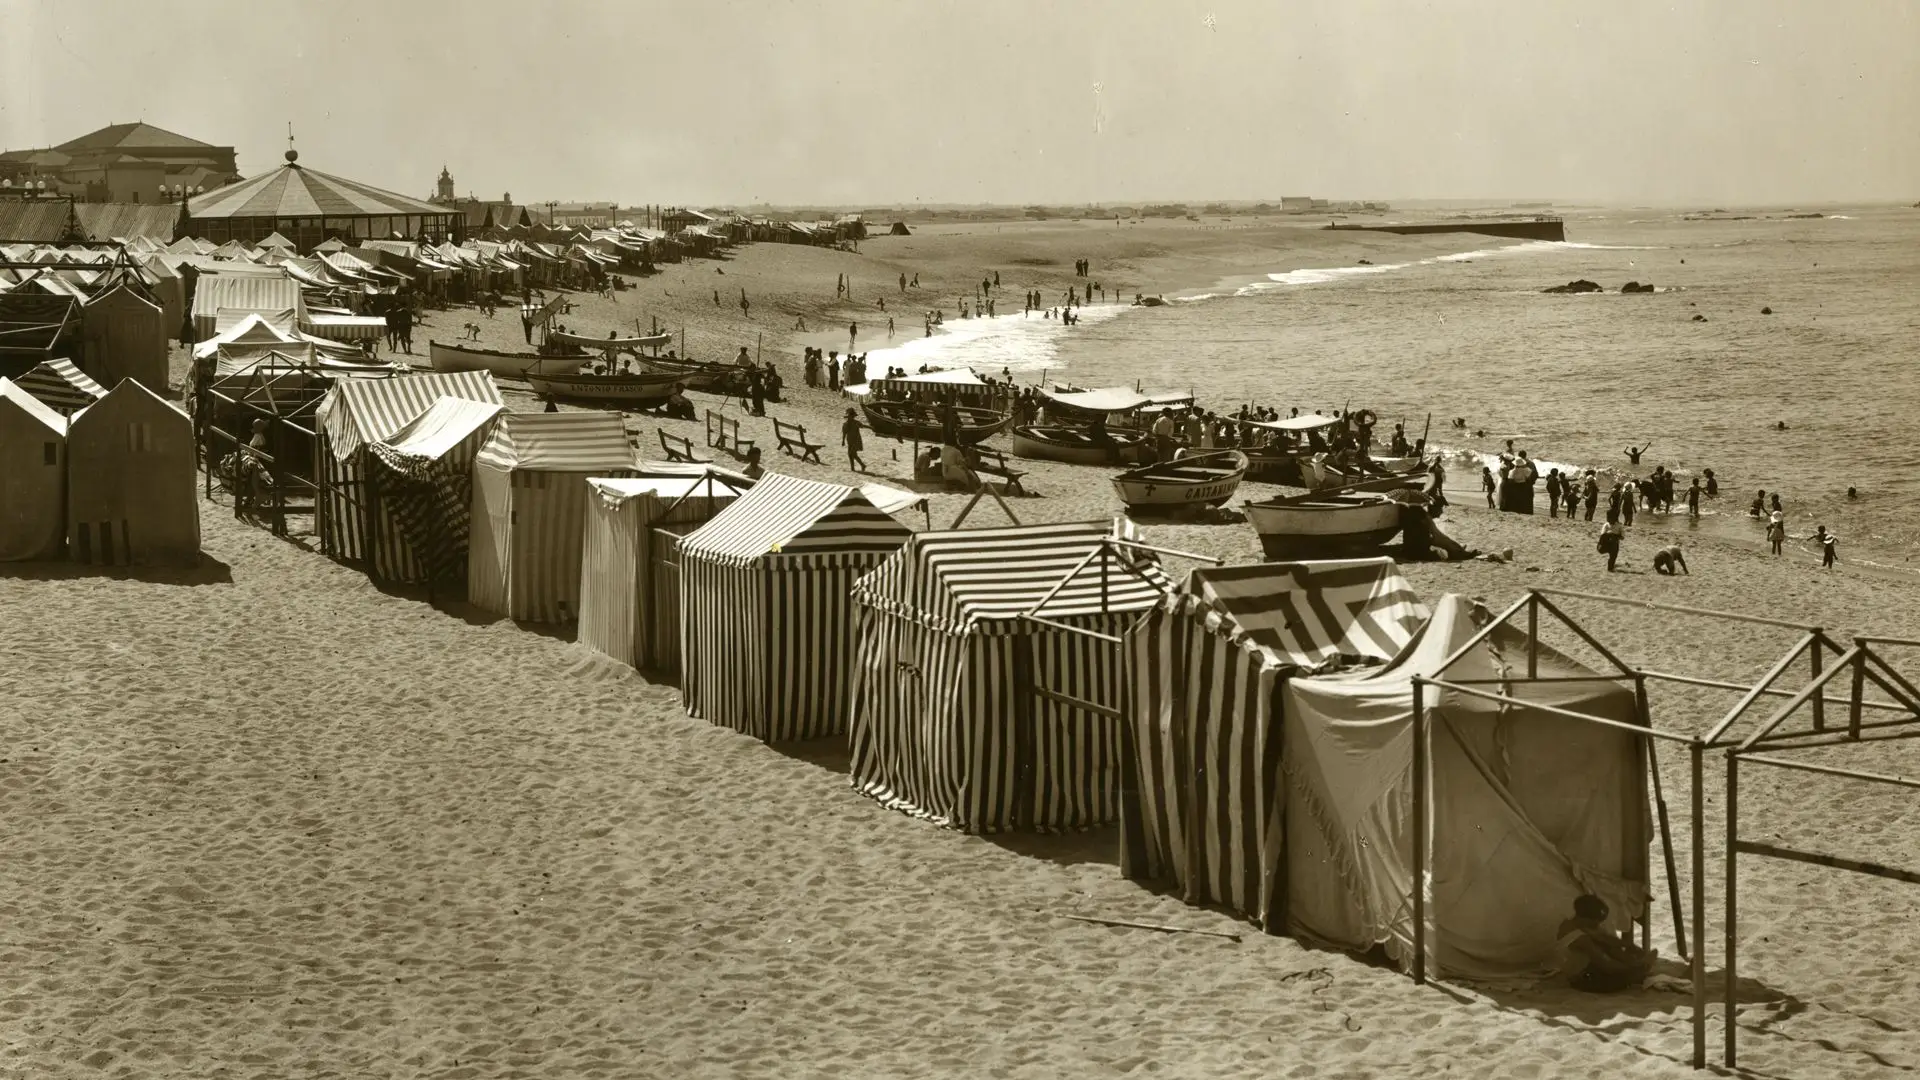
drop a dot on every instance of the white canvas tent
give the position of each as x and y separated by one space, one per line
768 636
131 471
530 506
1527 808
945 721
33 477
629 563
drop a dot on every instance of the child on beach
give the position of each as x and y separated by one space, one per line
850 434
1668 559
1693 499
1489 483
1828 546
1611 534
1594 959
1776 532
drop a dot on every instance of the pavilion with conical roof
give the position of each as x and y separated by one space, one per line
309 207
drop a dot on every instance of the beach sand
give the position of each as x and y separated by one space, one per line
267 819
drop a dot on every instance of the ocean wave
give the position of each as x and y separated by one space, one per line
988 345
1840 217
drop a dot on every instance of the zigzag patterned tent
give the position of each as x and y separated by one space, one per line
945 723
768 625
1207 668
530 496
425 480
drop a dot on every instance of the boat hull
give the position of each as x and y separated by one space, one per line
601 345
1400 472
1058 444
449 358
1203 480
1323 528
976 425
1290 470
709 378
612 389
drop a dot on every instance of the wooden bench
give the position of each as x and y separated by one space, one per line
723 433
793 439
994 463
679 448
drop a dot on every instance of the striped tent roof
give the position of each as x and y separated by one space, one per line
785 515
1304 615
360 411
61 386
559 442
956 580
445 424
294 191
246 292
17 396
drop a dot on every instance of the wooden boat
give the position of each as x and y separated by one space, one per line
647 389
1073 445
1208 478
920 422
705 375
1324 526
1387 474
1273 465
610 344
505 365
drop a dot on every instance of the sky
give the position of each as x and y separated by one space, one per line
891 102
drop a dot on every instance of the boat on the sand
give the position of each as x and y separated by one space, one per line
644 389
921 422
1076 445
1208 478
1324 526
1379 474
705 375
447 357
610 344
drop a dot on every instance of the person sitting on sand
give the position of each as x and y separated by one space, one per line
678 407
1594 959
1669 558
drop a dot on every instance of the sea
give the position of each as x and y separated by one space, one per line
1455 325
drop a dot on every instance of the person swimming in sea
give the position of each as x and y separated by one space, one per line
1633 456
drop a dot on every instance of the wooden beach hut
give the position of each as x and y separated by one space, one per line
423 476
1527 804
355 414
767 636
945 722
130 482
1206 669
124 336
629 563
60 386
33 477
530 509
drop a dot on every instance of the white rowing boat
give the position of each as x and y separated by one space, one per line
1323 527
446 358
1204 479
648 389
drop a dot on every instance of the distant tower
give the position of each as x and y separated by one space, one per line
444 192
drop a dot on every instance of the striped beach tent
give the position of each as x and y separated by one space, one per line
260 289
60 386
423 474
629 562
945 721
1526 808
33 477
355 414
1206 670
530 506
767 634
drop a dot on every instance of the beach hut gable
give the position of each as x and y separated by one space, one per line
131 469
61 386
629 584
785 515
33 469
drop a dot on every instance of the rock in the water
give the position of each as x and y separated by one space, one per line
1766 311
1635 287
1580 286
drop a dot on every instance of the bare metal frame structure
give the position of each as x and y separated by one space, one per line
1776 734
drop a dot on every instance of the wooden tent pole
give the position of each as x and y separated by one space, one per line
1666 823
1419 832
1698 752
1733 911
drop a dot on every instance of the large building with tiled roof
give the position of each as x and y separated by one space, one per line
125 163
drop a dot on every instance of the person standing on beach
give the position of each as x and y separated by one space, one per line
850 434
1611 535
833 371
1591 493
853 334
1491 485
1163 437
1777 532
996 279
1613 504
903 281
1553 491
1776 507
1759 505
1829 546
1713 483
1628 498
1693 499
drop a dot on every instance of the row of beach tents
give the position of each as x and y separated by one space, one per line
1250 728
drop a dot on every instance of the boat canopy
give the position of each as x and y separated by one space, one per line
951 377
1295 423
1110 399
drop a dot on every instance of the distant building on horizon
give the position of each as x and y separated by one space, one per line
480 214
1293 204
123 163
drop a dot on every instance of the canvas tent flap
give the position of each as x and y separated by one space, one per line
1527 809
442 427
786 514
616 490
360 411
889 499
1305 616
559 442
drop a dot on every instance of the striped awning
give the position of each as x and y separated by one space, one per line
955 581
1302 615
559 442
445 424
61 386
247 292
347 327
360 411
785 515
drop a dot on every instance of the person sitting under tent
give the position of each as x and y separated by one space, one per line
1597 960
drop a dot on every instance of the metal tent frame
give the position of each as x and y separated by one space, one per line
1826 661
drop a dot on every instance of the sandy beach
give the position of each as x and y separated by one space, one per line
267 819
